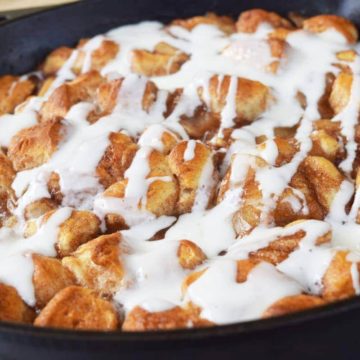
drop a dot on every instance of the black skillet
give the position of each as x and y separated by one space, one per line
331 332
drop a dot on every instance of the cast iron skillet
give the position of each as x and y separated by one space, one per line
329 332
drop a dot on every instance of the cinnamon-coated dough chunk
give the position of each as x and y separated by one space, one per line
12 307
78 308
34 146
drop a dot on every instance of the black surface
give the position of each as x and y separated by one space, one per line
330 332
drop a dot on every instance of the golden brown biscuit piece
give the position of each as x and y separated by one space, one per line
324 107
301 194
14 91
326 145
251 97
347 55
78 229
224 23
202 124
278 49
162 191
38 208
108 96
248 216
78 308
164 60
188 173
97 264
321 23
286 147
105 99
279 249
114 223
243 269
7 175
54 188
83 88
116 159
341 91
168 140
324 178
44 86
250 20
291 304
139 319
34 146
49 278
12 307
101 56
162 195
55 60
190 255
318 180
337 280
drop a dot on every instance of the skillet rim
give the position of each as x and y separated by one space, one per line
220 331
194 334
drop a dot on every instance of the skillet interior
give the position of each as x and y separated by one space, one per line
330 330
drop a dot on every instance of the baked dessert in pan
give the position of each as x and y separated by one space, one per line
188 175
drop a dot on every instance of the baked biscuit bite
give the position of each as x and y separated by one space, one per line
113 96
192 163
97 264
291 304
324 177
224 23
242 175
249 21
154 191
55 60
140 319
94 54
164 60
250 98
321 23
34 146
340 93
7 175
12 307
105 99
13 91
190 255
327 145
78 308
116 159
202 125
163 189
49 278
80 227
312 191
38 208
82 88
339 281
160 138
90 54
